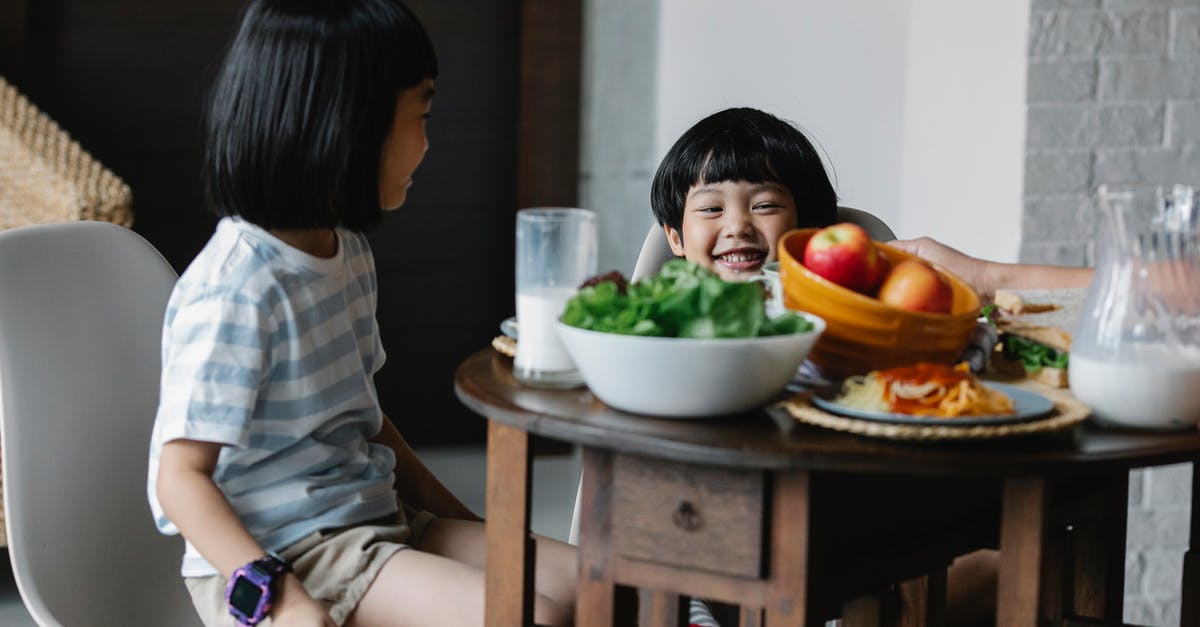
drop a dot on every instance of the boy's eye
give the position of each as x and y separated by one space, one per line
763 206
426 116
709 210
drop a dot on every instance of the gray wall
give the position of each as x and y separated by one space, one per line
617 160
1114 97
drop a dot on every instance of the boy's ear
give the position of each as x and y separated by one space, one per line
674 240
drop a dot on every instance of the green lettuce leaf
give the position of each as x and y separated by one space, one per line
682 300
1033 355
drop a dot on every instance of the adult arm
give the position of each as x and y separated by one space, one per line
203 515
416 485
988 276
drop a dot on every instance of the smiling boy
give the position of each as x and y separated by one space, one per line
732 184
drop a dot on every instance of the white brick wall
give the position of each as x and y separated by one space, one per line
1114 97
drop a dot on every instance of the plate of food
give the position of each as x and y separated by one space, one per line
931 394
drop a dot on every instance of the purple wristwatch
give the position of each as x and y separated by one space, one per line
248 593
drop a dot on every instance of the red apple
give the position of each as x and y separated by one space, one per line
844 254
914 285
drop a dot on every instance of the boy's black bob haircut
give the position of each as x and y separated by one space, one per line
297 118
743 144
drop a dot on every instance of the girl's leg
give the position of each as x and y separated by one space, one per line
441 584
464 541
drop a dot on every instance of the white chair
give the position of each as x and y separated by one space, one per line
655 252
81 308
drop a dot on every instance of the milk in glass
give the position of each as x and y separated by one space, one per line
537 312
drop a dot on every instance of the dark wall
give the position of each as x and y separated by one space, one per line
127 78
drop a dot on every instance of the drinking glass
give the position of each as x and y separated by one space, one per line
556 252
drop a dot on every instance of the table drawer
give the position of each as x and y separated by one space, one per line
686 515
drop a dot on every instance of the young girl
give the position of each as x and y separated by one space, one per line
300 502
732 184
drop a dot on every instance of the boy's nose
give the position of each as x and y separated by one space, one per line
738 225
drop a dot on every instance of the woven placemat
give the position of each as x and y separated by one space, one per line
45 176
505 345
1067 413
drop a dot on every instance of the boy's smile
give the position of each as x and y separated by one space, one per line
733 227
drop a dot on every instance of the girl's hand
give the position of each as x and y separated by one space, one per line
295 608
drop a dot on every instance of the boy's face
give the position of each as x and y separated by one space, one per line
405 144
733 227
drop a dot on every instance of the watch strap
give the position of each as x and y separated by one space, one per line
272 564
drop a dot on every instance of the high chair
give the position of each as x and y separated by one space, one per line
81 308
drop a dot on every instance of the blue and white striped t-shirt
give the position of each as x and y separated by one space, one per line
271 351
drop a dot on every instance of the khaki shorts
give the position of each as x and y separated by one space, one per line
336 566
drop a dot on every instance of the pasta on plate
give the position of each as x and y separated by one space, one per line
925 389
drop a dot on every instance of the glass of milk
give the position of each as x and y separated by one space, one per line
556 252
1135 359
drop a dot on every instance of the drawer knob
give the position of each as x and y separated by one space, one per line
686 517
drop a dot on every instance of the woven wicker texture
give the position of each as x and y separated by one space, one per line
1068 412
45 176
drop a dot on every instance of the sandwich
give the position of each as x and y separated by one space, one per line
1034 328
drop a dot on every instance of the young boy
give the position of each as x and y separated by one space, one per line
732 184
725 192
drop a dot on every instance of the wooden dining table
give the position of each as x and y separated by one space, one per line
797 524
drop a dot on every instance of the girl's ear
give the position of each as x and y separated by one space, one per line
674 240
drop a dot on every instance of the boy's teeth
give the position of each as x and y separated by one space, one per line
738 257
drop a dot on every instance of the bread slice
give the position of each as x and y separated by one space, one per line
1053 377
1045 316
1014 304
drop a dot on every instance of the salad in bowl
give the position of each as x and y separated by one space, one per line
683 343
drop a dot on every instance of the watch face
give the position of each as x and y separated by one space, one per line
245 596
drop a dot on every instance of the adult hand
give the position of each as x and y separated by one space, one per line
985 277
970 269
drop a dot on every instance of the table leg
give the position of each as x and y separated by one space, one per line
594 602
659 609
1098 553
1023 558
510 549
923 601
791 523
750 617
1190 611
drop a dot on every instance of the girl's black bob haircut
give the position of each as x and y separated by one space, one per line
743 144
297 118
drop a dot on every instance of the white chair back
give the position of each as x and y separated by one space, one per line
81 308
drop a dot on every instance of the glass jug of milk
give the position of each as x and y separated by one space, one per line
1135 359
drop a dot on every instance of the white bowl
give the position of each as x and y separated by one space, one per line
687 378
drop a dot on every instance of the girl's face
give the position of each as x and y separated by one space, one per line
733 227
405 144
